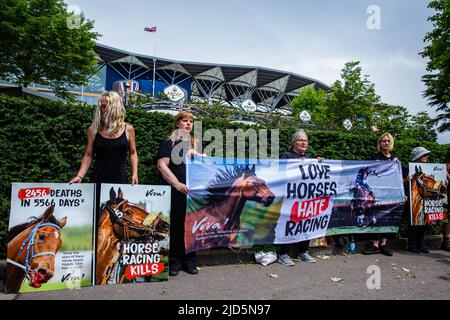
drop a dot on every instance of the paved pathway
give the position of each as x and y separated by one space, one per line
403 276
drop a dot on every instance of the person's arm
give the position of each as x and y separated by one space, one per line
169 177
133 154
447 165
87 158
193 152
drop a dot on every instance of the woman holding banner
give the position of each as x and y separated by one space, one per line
385 152
416 234
109 139
299 145
172 167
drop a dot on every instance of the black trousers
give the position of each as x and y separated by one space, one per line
416 236
177 253
301 247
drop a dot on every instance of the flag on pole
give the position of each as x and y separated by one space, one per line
152 29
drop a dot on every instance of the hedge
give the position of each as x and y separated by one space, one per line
44 141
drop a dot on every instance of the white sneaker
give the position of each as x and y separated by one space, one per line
306 257
265 258
285 260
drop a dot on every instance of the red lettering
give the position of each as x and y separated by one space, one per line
308 209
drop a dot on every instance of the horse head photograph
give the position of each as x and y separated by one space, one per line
32 247
423 186
225 198
122 221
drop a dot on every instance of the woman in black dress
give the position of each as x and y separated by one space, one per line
171 164
385 147
109 139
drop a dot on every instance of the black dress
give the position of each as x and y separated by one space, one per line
380 236
177 254
109 162
110 159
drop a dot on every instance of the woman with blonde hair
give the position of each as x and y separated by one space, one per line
171 165
385 148
109 139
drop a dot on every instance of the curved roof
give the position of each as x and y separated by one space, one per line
268 88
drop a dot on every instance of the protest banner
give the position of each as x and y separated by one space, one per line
133 234
50 237
428 193
246 201
370 198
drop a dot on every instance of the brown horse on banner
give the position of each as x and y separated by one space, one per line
119 222
422 187
32 247
218 223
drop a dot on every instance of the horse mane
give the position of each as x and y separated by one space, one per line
14 231
222 182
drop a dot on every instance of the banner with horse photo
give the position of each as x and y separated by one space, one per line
428 193
50 237
370 198
133 234
235 202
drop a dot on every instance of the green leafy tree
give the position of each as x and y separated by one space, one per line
397 121
313 101
162 96
352 98
438 51
392 119
421 127
42 43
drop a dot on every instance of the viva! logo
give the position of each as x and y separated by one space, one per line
308 209
143 270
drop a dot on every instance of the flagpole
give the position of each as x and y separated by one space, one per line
154 64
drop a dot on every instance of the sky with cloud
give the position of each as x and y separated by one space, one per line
311 38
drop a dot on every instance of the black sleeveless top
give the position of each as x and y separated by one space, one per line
110 159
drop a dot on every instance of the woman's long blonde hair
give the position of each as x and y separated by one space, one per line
114 116
181 116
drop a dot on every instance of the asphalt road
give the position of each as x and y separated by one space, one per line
403 276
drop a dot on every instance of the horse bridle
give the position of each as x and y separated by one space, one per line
30 247
118 217
423 186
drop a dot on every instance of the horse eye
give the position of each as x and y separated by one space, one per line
41 236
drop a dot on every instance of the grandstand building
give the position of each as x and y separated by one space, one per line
253 89
266 89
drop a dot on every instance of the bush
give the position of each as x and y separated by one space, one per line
44 141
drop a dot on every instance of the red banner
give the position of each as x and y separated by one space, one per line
143 270
33 193
432 217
